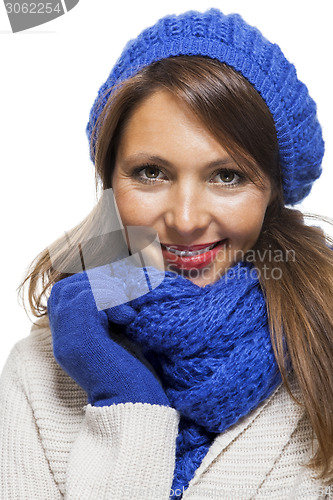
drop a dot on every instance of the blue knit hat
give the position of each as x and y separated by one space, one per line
231 40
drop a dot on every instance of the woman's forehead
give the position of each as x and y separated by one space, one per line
162 126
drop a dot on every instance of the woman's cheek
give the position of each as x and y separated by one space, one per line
131 205
246 227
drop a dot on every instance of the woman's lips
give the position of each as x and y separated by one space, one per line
192 257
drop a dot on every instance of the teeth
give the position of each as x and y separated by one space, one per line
186 253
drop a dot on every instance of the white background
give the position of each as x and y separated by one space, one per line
49 79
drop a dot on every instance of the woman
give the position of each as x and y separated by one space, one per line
192 308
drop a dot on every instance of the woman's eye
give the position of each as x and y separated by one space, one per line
227 177
148 174
151 172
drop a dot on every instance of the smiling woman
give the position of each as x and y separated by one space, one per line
173 175
216 381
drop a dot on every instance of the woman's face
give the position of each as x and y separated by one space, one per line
173 176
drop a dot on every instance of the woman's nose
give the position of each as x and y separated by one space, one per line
187 210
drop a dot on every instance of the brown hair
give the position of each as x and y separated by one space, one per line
299 303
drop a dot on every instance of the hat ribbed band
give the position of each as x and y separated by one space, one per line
232 41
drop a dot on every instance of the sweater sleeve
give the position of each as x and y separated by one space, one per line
124 451
24 469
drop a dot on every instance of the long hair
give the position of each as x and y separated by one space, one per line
299 302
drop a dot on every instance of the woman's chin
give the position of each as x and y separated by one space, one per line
200 277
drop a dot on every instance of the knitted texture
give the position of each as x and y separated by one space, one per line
231 40
211 348
84 348
53 447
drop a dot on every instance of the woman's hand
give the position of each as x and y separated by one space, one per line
83 346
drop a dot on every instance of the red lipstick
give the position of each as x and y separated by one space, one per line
192 257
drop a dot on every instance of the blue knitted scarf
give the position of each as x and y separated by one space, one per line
212 351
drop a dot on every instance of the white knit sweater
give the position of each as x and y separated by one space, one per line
54 445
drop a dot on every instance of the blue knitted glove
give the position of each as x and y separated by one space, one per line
83 346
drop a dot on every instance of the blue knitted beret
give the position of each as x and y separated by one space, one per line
231 40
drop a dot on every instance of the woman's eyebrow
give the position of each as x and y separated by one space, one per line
146 157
